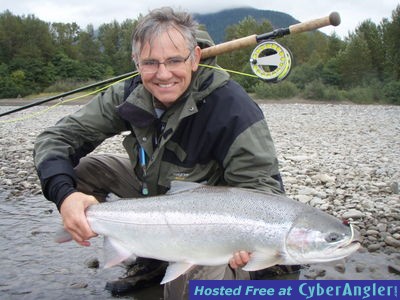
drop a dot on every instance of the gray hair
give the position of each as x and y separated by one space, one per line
159 21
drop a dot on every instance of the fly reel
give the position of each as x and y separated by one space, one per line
271 61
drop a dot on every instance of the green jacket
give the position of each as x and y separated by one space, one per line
214 133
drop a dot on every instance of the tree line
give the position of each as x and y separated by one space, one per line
37 56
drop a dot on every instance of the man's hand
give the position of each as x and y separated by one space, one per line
239 259
73 214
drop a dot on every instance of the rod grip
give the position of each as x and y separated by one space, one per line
229 46
332 19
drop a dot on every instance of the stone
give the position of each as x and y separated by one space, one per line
340 268
374 247
324 178
303 198
79 285
353 214
392 241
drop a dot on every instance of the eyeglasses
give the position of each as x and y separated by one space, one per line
171 64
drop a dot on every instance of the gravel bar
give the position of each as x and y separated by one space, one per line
340 158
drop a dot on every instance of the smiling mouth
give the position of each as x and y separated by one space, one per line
165 85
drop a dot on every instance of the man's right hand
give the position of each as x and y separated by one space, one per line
73 214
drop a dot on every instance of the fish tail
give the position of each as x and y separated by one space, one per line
62 236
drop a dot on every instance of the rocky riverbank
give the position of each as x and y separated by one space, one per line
343 159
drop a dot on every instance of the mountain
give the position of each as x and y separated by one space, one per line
217 22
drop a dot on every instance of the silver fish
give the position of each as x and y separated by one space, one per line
195 224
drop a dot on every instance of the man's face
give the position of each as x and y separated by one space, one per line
168 85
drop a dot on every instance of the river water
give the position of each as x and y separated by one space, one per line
33 266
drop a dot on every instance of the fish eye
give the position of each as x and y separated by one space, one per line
333 237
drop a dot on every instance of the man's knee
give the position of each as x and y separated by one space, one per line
106 173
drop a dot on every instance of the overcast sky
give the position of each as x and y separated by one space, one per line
97 12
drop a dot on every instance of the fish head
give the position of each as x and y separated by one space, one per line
319 237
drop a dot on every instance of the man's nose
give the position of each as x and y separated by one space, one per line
163 72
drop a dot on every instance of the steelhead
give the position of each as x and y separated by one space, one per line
195 224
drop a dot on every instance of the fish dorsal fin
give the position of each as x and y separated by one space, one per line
262 260
175 270
114 252
182 186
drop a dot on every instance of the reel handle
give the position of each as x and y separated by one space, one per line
332 19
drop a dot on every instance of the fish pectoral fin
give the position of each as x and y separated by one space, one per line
174 270
114 252
262 260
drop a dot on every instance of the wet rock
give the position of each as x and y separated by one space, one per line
395 269
79 285
382 227
392 242
360 267
340 268
372 232
315 273
373 247
92 263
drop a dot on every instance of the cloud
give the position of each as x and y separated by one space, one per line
352 12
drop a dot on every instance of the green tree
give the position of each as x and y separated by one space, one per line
370 33
90 56
10 36
26 47
355 63
391 44
65 36
115 41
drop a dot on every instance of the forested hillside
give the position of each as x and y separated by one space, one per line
216 23
37 56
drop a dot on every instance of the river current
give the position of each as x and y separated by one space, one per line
34 266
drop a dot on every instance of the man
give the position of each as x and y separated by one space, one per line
187 122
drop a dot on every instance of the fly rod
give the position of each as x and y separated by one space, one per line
269 61
59 96
332 19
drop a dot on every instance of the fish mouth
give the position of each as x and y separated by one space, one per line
336 253
348 249
354 242
351 245
355 238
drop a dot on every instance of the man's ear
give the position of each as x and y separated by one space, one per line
197 57
134 59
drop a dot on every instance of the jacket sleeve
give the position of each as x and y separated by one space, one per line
243 143
59 148
251 160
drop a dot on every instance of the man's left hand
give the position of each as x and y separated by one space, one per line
239 259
